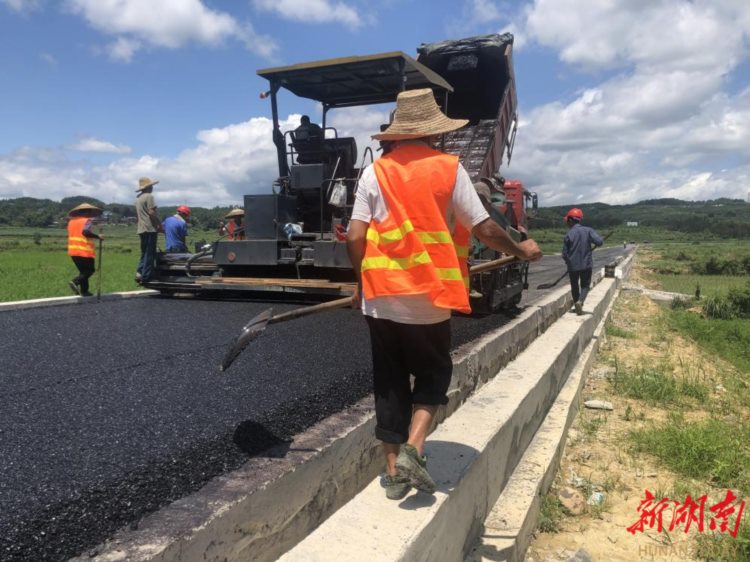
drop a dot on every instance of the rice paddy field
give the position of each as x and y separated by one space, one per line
34 262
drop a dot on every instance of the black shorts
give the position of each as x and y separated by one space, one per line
400 350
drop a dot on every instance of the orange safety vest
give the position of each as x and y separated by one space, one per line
231 227
413 251
78 244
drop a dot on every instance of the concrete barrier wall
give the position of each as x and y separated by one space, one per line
509 527
472 455
67 301
263 509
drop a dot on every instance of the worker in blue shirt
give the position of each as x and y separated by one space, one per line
576 252
176 229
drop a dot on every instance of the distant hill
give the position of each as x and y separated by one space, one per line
726 218
40 213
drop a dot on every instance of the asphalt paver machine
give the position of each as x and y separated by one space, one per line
294 246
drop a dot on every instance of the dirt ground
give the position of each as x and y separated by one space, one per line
597 457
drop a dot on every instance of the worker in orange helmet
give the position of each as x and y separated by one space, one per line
576 253
176 230
408 241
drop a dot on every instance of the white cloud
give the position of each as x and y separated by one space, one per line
91 144
49 59
312 11
670 34
484 10
123 49
22 5
662 126
226 163
166 24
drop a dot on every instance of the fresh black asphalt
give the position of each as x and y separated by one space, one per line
111 411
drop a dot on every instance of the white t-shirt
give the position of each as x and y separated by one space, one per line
370 205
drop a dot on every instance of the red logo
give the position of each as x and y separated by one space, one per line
725 515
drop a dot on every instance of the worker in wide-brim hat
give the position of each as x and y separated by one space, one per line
235 224
145 183
576 253
149 225
411 260
81 247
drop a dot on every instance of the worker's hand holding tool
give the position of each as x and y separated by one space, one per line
356 299
531 250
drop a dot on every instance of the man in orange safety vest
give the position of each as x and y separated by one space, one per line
408 239
81 247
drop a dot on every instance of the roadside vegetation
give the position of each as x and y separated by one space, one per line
34 262
678 377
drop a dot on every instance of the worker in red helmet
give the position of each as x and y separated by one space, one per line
176 230
576 252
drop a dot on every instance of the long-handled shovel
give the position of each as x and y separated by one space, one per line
555 282
258 324
565 273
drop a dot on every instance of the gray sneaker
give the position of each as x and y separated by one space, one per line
414 468
579 308
74 288
396 487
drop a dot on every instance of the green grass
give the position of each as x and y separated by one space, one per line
684 255
615 331
710 285
712 449
713 547
728 339
656 386
550 514
713 452
34 262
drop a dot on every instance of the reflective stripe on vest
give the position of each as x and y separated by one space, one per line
411 251
78 244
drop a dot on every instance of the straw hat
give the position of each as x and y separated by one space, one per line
418 115
143 183
235 213
84 208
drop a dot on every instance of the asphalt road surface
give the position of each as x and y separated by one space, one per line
111 411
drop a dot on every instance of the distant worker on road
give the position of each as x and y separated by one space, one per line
149 226
235 224
403 246
81 246
576 252
176 230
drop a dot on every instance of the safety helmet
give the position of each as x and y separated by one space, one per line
184 210
575 214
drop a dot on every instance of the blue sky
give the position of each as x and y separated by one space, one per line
618 101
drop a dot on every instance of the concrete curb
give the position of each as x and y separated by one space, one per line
67 301
509 528
263 509
473 454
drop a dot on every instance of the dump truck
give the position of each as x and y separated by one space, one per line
294 246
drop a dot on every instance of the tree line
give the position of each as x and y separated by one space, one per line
42 213
726 218
729 218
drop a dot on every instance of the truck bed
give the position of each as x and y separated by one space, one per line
480 69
